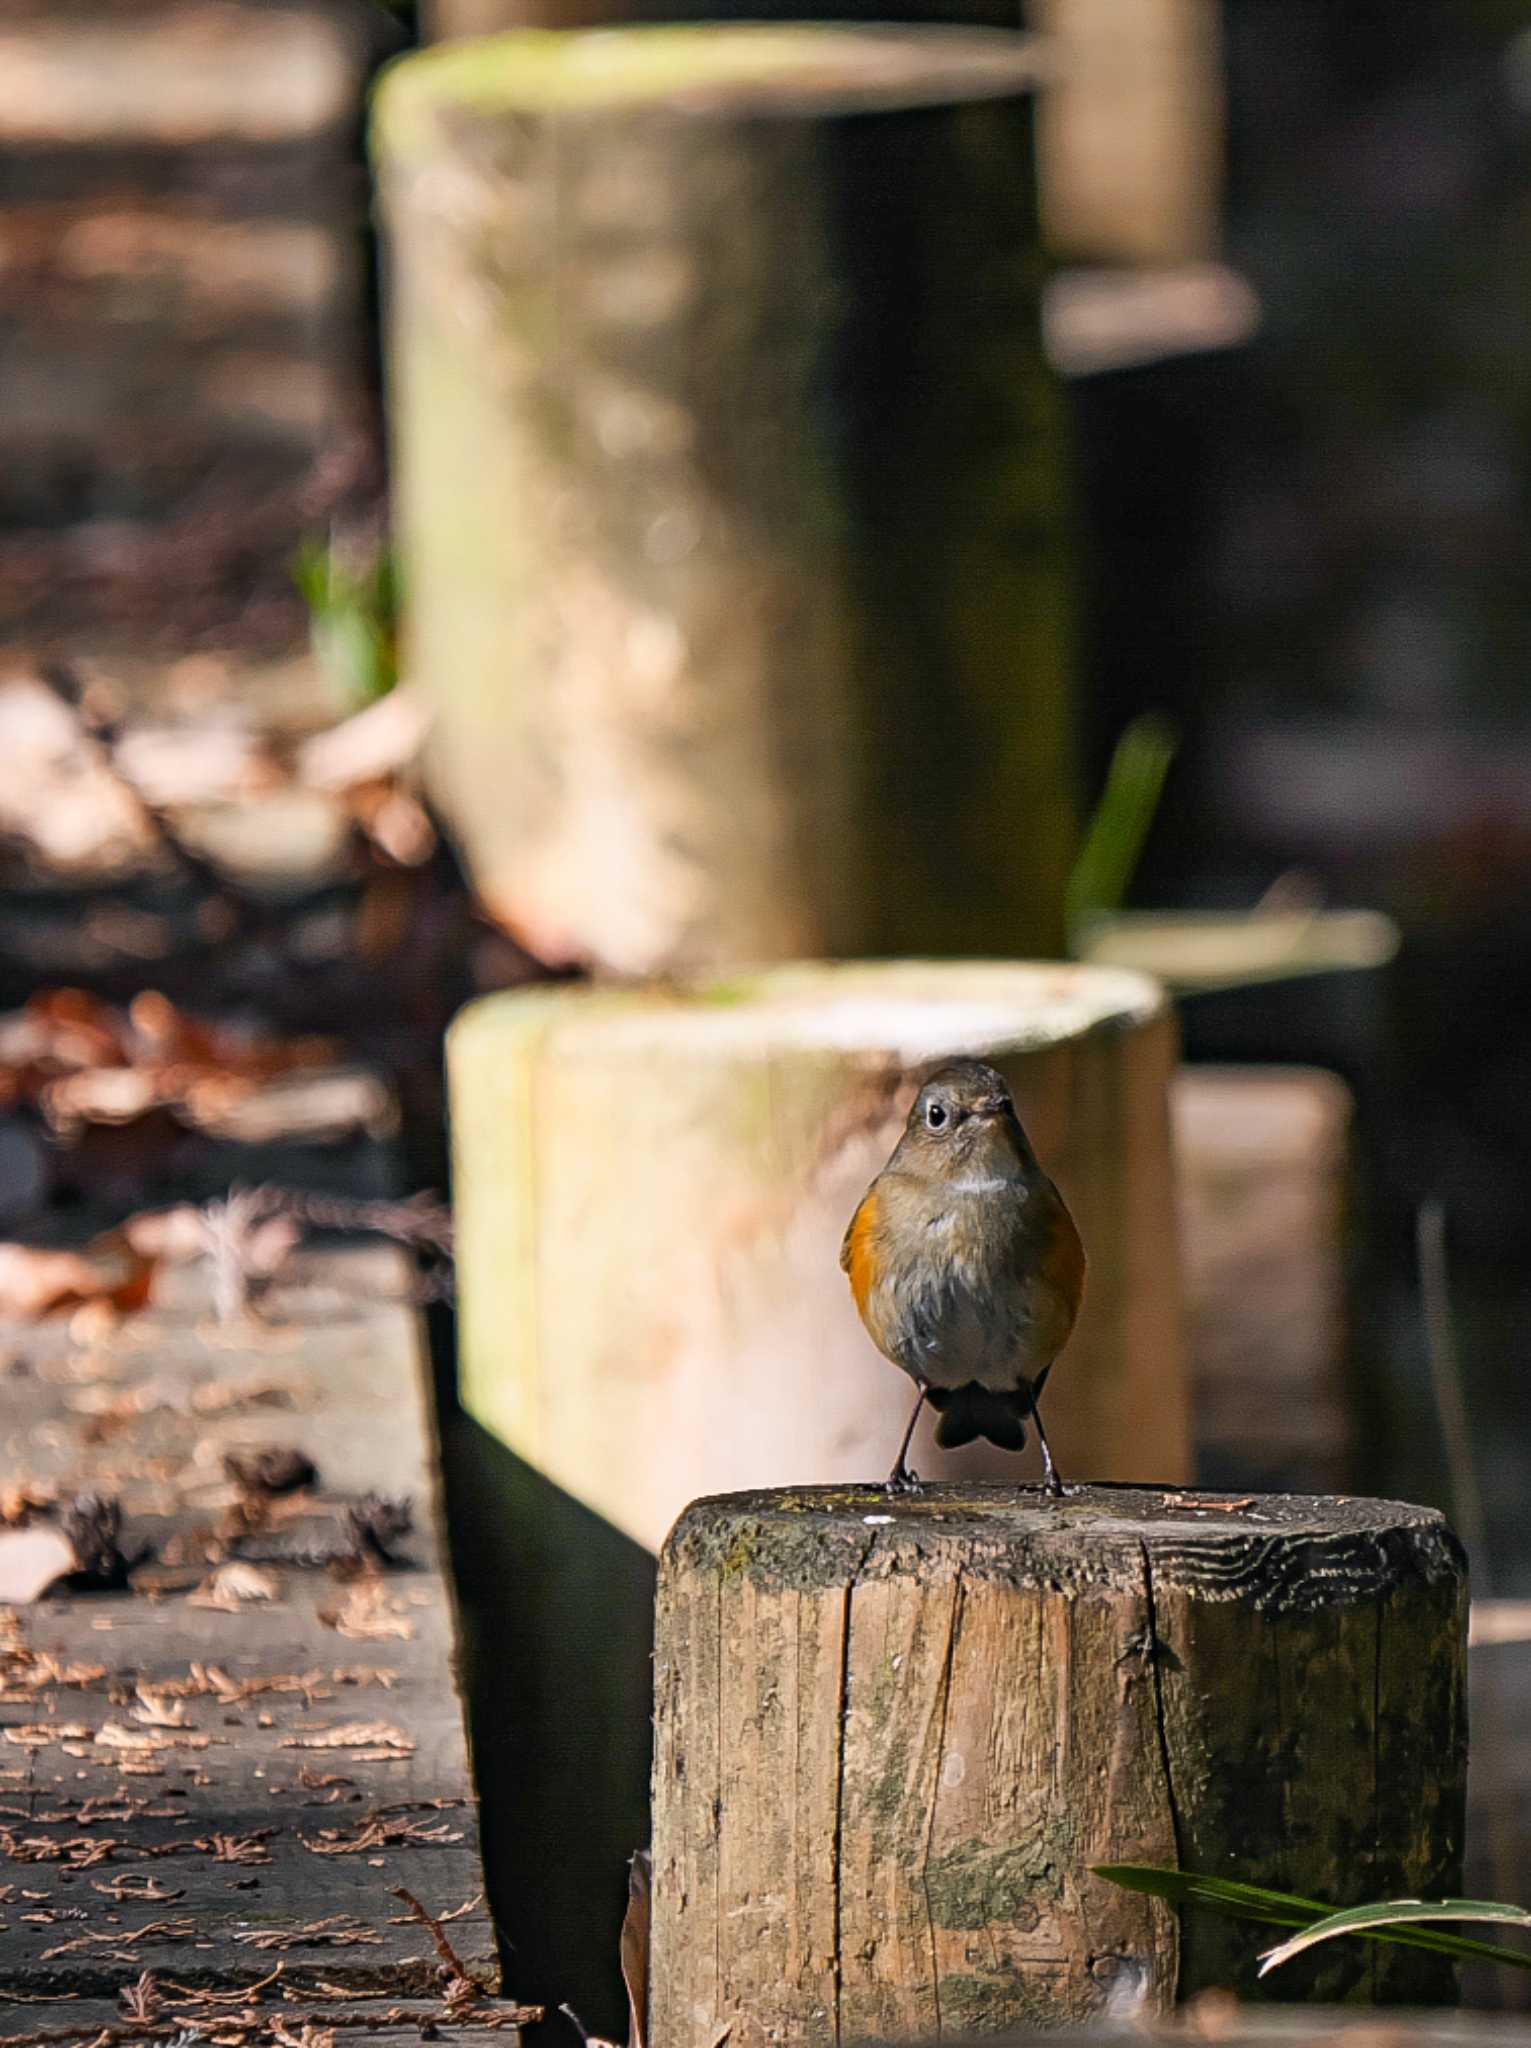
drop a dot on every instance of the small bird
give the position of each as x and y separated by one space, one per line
966 1266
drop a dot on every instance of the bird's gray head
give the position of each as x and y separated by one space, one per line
963 1117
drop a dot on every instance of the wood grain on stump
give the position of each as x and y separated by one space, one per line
652 1187
894 1735
734 488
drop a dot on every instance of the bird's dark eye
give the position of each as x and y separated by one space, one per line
935 1115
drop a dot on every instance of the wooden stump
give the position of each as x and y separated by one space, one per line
652 1186
894 1735
733 488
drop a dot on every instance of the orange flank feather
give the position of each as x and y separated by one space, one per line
857 1254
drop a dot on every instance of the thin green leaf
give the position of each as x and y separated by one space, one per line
1114 839
1289 1909
1388 1913
1188 1888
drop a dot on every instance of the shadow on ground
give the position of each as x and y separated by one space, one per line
556 1634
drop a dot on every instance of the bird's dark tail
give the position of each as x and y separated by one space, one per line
973 1411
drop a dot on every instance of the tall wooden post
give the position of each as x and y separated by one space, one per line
894 1735
733 488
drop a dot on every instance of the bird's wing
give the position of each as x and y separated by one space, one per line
1060 1269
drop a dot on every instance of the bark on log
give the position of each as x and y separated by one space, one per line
894 1735
651 1189
732 485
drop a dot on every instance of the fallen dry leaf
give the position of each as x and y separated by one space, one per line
260 1389
32 1560
306 2036
380 1832
32 1281
141 2000
369 746
120 1941
237 1848
39 1734
380 1736
233 1585
155 1711
270 1469
174 1235
369 1614
129 1886
336 1930
113 1735
20 1499
58 794
35 1282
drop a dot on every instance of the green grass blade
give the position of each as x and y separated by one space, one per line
1290 1909
1188 1888
1114 840
1388 1913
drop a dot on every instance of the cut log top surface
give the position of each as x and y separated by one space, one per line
1275 1552
908 1010
714 69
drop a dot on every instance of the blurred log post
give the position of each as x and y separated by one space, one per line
1264 1173
894 1735
1131 136
652 1187
733 488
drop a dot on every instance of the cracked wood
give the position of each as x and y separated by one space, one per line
894 1735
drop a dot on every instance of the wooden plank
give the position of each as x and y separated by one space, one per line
61 2022
318 1759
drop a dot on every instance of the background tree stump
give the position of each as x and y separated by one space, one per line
732 486
1267 1230
892 1736
652 1186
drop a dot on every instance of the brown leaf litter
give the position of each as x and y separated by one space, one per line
376 1738
369 1614
381 1831
234 1586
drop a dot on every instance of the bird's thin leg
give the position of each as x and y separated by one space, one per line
1050 1477
901 1479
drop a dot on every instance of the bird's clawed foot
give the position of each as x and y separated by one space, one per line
902 1481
